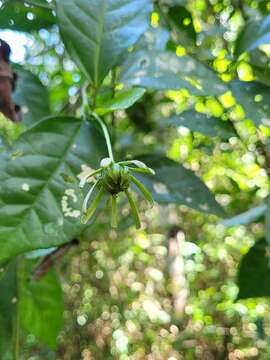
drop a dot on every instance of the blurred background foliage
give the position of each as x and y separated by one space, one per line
171 290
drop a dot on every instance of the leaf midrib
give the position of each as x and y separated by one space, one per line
101 33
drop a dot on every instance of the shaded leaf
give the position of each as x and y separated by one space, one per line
182 19
260 66
166 71
25 18
36 208
41 307
98 33
245 218
32 96
202 123
255 100
122 100
153 39
8 309
267 220
254 272
175 184
254 34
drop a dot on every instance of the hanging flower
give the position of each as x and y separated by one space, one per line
113 178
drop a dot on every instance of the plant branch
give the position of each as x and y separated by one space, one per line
49 260
106 135
242 9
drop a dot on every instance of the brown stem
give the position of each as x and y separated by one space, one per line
48 261
7 83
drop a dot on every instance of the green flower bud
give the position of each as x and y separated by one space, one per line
115 178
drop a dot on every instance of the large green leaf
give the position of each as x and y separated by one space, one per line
163 70
41 307
254 272
175 184
32 96
18 15
153 39
255 100
8 309
202 123
254 34
247 217
121 100
98 33
35 205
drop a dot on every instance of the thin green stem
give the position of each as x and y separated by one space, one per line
87 110
114 128
42 5
16 335
134 209
106 135
85 102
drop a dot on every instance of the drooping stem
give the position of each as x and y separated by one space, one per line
87 111
106 135
16 333
85 102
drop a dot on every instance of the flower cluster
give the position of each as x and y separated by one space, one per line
113 178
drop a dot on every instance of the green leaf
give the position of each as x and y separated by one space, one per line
259 62
32 96
153 39
163 70
37 207
246 217
183 22
254 34
9 130
25 18
210 126
41 307
122 100
175 184
98 33
254 272
255 100
8 295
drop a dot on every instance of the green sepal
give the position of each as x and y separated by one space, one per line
113 211
143 189
148 171
91 210
134 209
